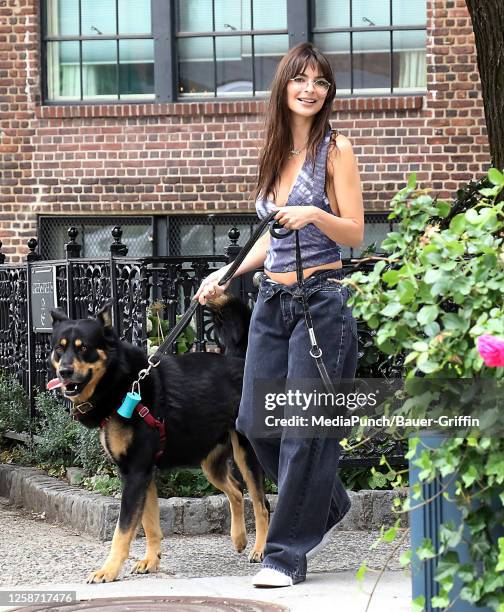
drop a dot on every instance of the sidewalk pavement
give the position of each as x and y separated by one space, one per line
325 592
38 555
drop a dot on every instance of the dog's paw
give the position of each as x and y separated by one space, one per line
146 566
255 556
103 575
239 541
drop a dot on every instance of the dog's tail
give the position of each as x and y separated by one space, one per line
231 324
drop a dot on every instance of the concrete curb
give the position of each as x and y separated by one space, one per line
95 515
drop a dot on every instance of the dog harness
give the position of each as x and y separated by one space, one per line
152 422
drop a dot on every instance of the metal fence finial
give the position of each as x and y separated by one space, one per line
72 248
117 248
33 255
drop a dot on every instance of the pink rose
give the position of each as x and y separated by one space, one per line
492 350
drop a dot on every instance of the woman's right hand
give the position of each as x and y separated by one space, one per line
209 288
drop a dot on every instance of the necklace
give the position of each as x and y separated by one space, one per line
294 152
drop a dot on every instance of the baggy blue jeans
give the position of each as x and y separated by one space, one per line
311 496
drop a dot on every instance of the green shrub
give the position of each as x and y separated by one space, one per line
442 287
14 409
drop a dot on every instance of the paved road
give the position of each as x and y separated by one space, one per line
35 552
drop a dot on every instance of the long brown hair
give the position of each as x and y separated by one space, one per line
278 137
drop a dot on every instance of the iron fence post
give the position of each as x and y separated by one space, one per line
73 250
117 248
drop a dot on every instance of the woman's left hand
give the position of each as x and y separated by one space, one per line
295 217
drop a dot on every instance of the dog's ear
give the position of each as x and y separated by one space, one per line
104 315
57 316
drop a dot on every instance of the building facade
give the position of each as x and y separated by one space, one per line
149 113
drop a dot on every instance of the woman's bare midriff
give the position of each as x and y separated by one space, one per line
289 278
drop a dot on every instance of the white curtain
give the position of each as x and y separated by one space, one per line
412 70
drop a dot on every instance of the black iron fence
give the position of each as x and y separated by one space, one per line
83 285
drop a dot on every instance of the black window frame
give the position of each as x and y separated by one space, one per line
165 229
351 30
44 39
300 17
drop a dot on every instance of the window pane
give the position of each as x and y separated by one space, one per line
62 17
99 68
412 12
410 69
337 49
195 63
98 17
194 15
370 13
332 13
196 240
135 17
229 15
234 65
136 68
268 15
63 73
267 53
371 62
95 236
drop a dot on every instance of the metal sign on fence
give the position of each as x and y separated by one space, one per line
43 296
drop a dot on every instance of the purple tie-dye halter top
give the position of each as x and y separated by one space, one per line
309 189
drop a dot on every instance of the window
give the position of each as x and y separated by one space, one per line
174 235
98 49
95 235
206 234
229 48
164 50
375 46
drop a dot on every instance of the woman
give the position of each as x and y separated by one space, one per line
308 173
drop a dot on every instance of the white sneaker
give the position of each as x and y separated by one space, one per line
322 544
269 577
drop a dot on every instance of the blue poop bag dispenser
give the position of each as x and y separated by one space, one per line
129 404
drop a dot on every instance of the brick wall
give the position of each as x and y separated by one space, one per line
159 158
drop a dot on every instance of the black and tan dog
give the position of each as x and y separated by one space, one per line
196 395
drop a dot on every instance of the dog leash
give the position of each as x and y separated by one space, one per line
278 231
315 350
133 397
155 360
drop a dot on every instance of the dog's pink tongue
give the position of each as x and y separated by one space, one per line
54 384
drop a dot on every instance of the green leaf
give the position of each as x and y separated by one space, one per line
392 309
433 275
472 216
458 223
426 550
391 277
405 557
361 571
447 566
389 535
427 314
470 476
412 180
420 346
418 604
500 563
440 601
443 208
496 177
